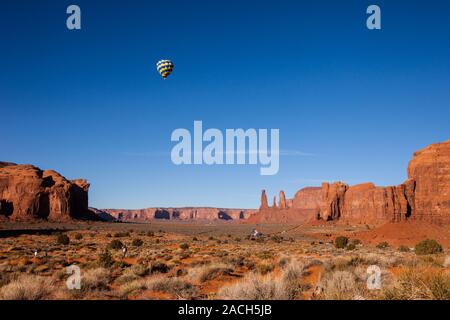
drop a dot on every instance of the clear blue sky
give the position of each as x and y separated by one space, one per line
351 104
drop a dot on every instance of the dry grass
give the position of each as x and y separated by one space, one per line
210 272
28 287
270 287
95 279
415 284
338 285
174 286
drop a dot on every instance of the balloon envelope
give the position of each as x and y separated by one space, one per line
164 67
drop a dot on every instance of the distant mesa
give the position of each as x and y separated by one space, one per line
424 196
183 213
28 193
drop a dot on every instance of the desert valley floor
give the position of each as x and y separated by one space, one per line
218 260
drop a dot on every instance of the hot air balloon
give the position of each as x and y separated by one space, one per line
164 68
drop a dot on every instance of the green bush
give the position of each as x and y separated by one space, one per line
184 246
341 242
403 249
78 236
356 242
383 245
137 243
115 244
428 247
62 239
351 246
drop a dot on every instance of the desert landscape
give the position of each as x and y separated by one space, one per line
332 242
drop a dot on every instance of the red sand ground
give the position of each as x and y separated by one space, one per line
408 233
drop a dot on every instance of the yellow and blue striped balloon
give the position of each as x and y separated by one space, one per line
164 68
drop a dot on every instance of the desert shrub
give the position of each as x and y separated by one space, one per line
403 248
446 263
27 287
95 279
236 261
158 267
283 261
356 242
253 287
137 242
175 286
249 264
184 246
383 245
210 238
133 273
276 239
115 244
264 255
121 234
108 235
350 246
338 285
62 239
78 236
194 239
105 259
150 234
5 278
341 242
264 268
237 239
414 284
211 272
428 247
128 288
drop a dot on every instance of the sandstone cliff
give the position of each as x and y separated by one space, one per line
29 193
188 213
424 196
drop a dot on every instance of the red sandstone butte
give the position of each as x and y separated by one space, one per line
29 193
424 196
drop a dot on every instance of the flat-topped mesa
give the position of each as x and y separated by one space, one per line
425 195
183 213
29 193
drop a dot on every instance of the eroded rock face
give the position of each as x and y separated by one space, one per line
282 204
430 169
425 195
264 203
29 193
194 213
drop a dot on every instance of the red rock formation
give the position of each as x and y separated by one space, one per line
430 169
425 195
188 213
332 200
264 203
282 203
28 193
